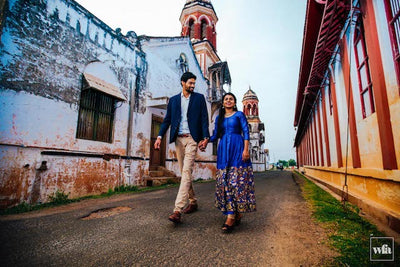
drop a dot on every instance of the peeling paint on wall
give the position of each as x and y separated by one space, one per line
45 47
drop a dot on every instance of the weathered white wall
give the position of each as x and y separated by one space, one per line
43 57
31 120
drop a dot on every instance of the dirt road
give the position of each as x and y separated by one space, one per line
280 233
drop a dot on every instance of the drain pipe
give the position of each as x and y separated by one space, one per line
130 118
127 167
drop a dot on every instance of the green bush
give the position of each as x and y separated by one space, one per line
59 198
126 188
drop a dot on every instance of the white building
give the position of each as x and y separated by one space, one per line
80 103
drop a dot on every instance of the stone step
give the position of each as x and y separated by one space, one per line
154 168
167 172
156 173
156 181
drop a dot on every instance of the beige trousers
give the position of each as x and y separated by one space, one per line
186 149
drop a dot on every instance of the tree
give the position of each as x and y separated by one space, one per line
284 163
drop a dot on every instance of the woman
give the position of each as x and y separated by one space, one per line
234 179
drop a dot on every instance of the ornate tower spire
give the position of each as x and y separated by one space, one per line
250 105
198 20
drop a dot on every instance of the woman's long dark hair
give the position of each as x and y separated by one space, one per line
221 116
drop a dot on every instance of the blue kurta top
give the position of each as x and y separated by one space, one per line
231 145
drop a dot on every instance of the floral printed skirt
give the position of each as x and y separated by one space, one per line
235 190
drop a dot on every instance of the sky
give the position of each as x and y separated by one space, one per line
260 39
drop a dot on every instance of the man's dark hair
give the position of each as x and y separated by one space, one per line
187 75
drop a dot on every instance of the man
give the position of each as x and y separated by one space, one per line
188 117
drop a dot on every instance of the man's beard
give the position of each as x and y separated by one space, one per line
189 90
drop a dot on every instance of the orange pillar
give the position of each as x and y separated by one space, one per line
379 87
355 151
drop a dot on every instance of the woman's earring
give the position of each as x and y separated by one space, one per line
223 107
235 106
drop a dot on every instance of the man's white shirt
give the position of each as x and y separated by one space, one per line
184 126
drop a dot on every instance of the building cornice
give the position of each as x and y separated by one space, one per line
323 27
208 48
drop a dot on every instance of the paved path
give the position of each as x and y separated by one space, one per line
280 233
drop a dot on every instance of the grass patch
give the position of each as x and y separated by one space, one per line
125 188
57 199
60 198
348 232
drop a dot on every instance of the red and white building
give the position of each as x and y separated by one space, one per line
256 128
348 102
198 20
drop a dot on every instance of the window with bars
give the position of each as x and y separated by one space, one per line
393 16
362 64
96 116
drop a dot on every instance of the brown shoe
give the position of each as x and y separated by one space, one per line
190 208
175 217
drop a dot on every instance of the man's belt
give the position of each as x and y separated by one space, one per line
183 135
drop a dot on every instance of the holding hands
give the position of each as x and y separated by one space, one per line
203 144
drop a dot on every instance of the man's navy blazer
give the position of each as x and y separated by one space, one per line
197 117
